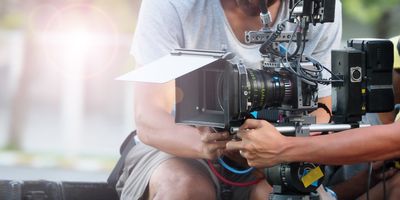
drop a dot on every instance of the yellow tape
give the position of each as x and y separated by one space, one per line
312 176
396 60
397 164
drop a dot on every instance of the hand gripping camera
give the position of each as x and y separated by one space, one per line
224 93
215 90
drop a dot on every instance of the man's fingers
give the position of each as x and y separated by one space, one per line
250 124
214 146
253 124
242 133
211 137
234 145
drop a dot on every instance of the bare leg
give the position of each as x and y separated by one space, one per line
179 179
392 190
394 187
261 191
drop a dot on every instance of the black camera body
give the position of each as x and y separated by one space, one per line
366 68
316 11
223 94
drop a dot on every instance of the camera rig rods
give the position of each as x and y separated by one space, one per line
313 128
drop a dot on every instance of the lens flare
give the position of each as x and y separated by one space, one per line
80 39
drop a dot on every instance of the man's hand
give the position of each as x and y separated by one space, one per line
261 143
213 144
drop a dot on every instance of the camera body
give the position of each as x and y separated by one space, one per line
366 68
315 11
223 94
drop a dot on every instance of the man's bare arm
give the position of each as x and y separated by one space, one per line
351 146
262 145
156 126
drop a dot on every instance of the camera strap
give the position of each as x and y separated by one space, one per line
126 146
323 106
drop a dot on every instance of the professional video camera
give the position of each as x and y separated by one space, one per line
366 67
286 86
224 93
217 90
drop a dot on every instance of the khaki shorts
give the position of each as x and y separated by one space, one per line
141 162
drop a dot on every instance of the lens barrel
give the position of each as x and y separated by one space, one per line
267 88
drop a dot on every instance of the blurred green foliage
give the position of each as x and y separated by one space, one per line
369 11
379 15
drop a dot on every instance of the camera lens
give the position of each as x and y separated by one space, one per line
290 176
267 88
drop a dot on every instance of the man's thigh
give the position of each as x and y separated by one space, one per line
392 187
261 191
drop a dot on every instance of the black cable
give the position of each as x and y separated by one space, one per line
305 31
323 81
298 41
298 44
315 80
291 11
307 75
303 72
268 43
369 179
263 6
384 180
323 106
303 78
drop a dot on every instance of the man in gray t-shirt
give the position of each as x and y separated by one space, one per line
168 159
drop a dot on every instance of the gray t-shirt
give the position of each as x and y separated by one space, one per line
165 25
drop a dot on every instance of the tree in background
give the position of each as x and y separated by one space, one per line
378 13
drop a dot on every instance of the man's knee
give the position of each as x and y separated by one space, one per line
178 179
261 191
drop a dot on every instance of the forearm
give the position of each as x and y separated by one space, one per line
161 132
156 125
352 146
